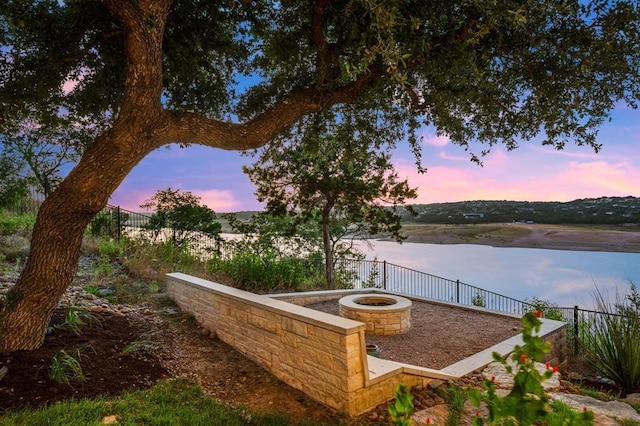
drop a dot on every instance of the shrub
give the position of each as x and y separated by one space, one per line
110 249
266 273
616 352
21 224
549 310
66 368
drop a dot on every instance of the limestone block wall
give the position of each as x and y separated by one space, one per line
559 350
322 355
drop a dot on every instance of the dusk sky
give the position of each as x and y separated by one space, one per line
530 173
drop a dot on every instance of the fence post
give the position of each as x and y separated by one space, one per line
457 291
384 274
118 224
575 330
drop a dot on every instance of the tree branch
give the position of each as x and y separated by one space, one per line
196 129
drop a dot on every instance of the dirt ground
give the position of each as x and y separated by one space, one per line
560 237
174 346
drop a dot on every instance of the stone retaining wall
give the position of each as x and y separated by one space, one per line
322 355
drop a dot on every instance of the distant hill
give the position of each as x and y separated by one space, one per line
595 211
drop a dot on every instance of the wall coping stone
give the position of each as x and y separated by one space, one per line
321 319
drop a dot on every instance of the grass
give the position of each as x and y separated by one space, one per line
76 319
174 402
65 368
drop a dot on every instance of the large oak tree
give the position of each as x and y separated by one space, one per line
154 72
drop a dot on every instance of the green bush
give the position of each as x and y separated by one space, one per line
109 249
549 310
21 224
615 351
264 273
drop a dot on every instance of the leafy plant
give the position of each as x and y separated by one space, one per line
110 249
92 289
103 268
616 352
549 310
478 300
75 320
137 346
66 368
16 224
527 402
402 407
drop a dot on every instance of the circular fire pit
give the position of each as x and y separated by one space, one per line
383 314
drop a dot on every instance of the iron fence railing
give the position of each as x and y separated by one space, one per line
118 223
396 278
581 326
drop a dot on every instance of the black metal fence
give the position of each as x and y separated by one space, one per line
118 223
581 326
396 278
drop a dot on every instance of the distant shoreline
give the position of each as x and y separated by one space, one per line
557 237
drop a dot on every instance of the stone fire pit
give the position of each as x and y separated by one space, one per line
383 314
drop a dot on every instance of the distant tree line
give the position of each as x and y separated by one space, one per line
589 211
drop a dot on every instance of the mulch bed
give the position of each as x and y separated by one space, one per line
99 349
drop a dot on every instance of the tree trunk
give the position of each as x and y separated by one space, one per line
57 237
328 250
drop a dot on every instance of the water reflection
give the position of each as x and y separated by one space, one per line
564 277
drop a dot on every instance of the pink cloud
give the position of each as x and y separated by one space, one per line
219 200
505 178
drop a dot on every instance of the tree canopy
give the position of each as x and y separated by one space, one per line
182 213
234 74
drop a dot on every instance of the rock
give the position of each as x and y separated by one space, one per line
205 332
615 409
632 398
147 311
106 291
97 309
171 310
436 415
3 372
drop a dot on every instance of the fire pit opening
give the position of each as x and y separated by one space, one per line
383 314
374 301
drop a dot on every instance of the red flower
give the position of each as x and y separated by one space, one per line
428 420
493 378
555 369
523 358
538 313
547 365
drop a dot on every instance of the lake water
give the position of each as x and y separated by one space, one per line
564 277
